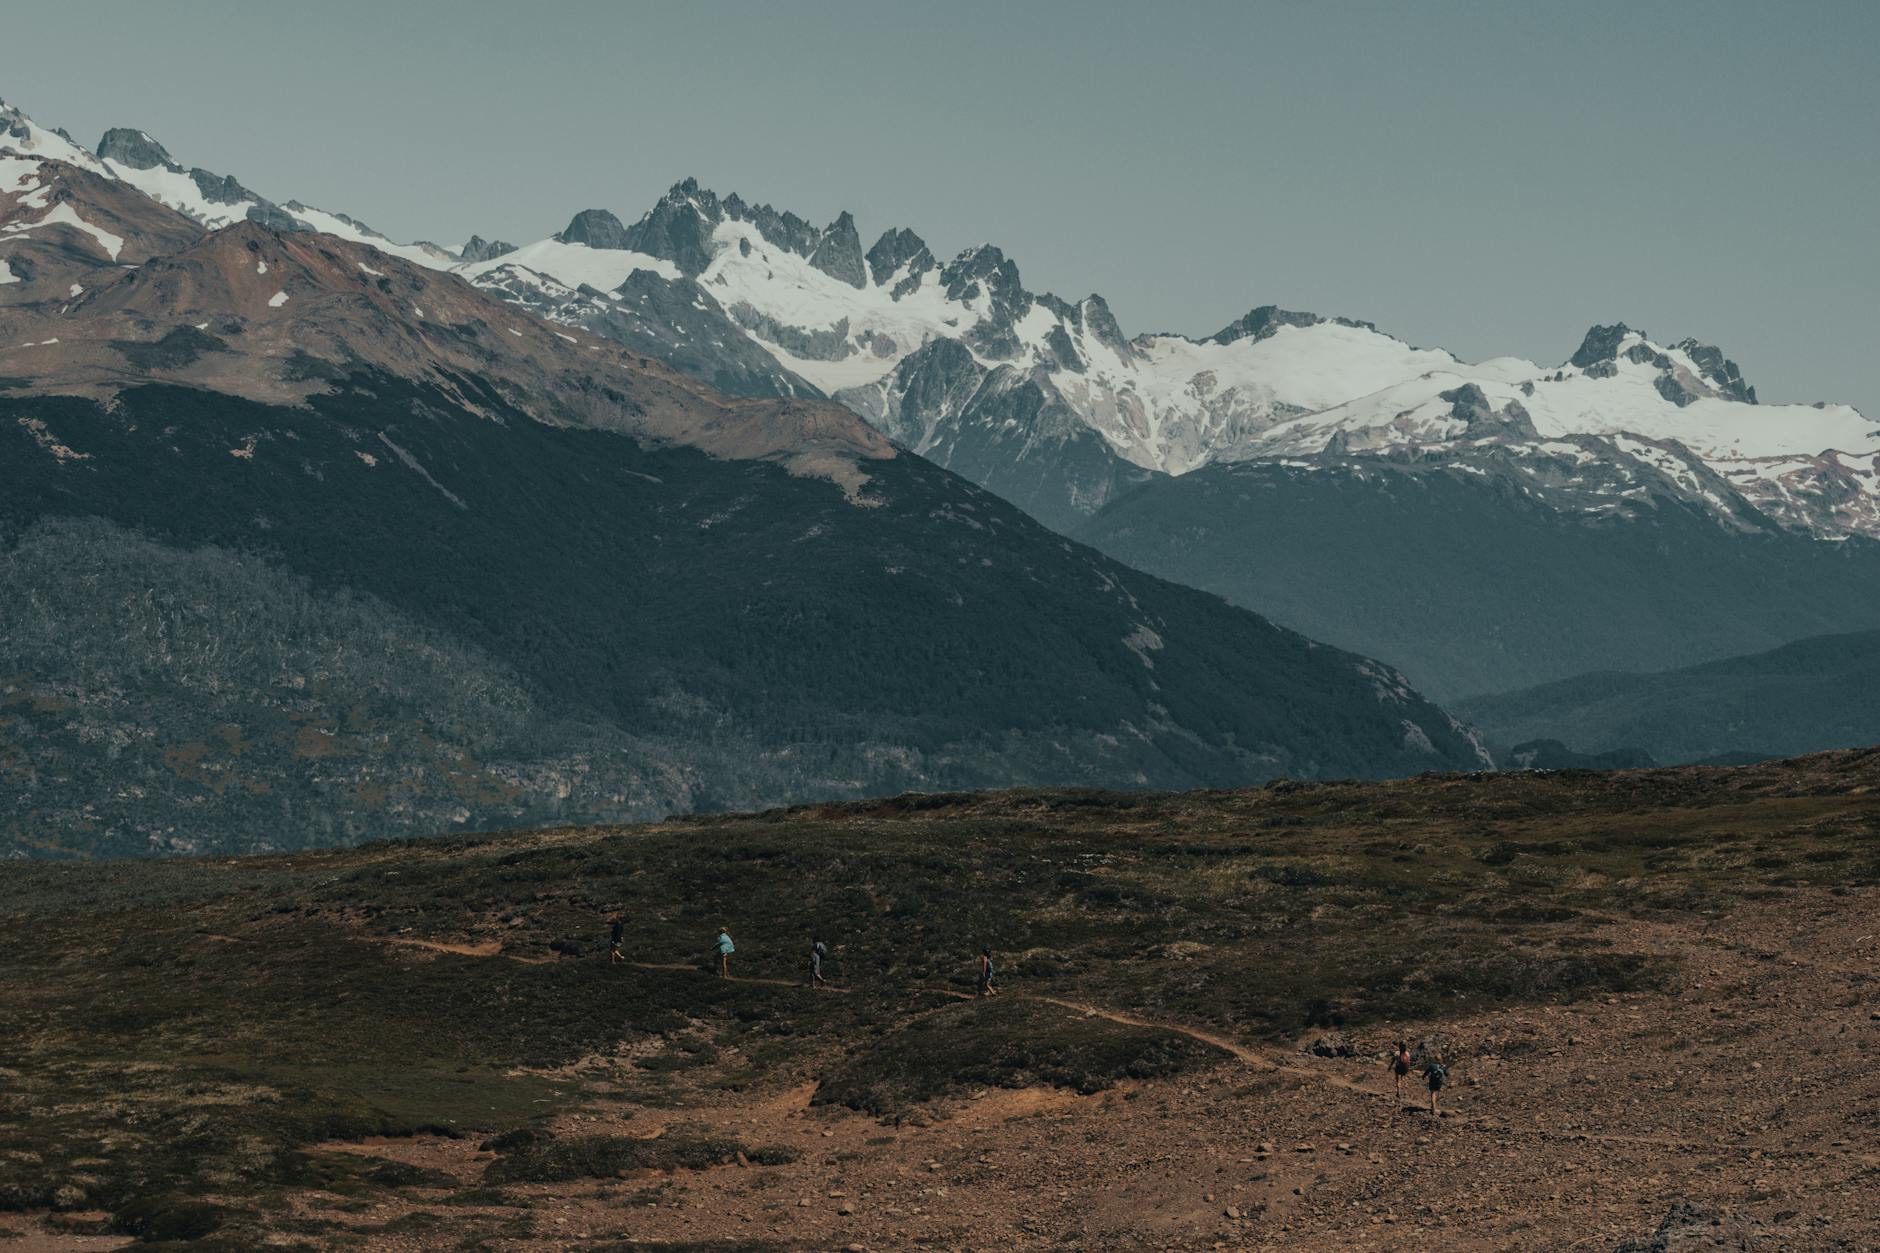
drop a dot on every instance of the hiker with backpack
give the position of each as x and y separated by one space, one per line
725 949
984 987
1435 1072
614 941
1400 1065
817 951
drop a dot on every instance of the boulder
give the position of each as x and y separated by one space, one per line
1689 1228
1331 1044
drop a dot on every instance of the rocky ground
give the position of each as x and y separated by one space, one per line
1730 1105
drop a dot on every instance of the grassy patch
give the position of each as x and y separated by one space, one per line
610 1157
1003 1044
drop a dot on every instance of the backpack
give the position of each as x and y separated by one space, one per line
1437 1073
820 949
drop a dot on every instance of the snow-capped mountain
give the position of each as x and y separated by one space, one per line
1042 399
1049 403
214 200
1679 420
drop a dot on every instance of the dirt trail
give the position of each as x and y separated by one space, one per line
1221 1042
494 948
489 948
775 983
1240 1052
1449 1117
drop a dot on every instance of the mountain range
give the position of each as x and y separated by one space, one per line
306 539
782 307
943 356
1486 526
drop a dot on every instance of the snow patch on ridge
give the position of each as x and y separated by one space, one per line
18 174
748 270
179 191
19 133
426 255
571 265
63 214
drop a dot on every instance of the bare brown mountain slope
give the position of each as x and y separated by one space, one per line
115 290
58 221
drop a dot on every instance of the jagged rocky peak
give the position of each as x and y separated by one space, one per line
1261 323
784 230
985 272
481 249
1482 420
983 265
1101 324
225 189
896 248
596 228
1710 371
679 229
1089 317
135 149
1267 320
1718 369
1601 344
129 150
839 252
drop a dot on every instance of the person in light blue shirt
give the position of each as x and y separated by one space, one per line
725 949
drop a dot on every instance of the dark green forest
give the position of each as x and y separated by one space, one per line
433 620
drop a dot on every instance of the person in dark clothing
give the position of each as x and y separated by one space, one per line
614 940
1435 1072
817 951
1400 1064
985 987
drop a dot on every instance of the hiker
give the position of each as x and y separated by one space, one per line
817 951
985 987
725 949
1435 1072
1400 1065
614 941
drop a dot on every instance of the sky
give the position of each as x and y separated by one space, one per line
1491 178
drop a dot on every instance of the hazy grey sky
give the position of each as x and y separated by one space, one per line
1487 177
